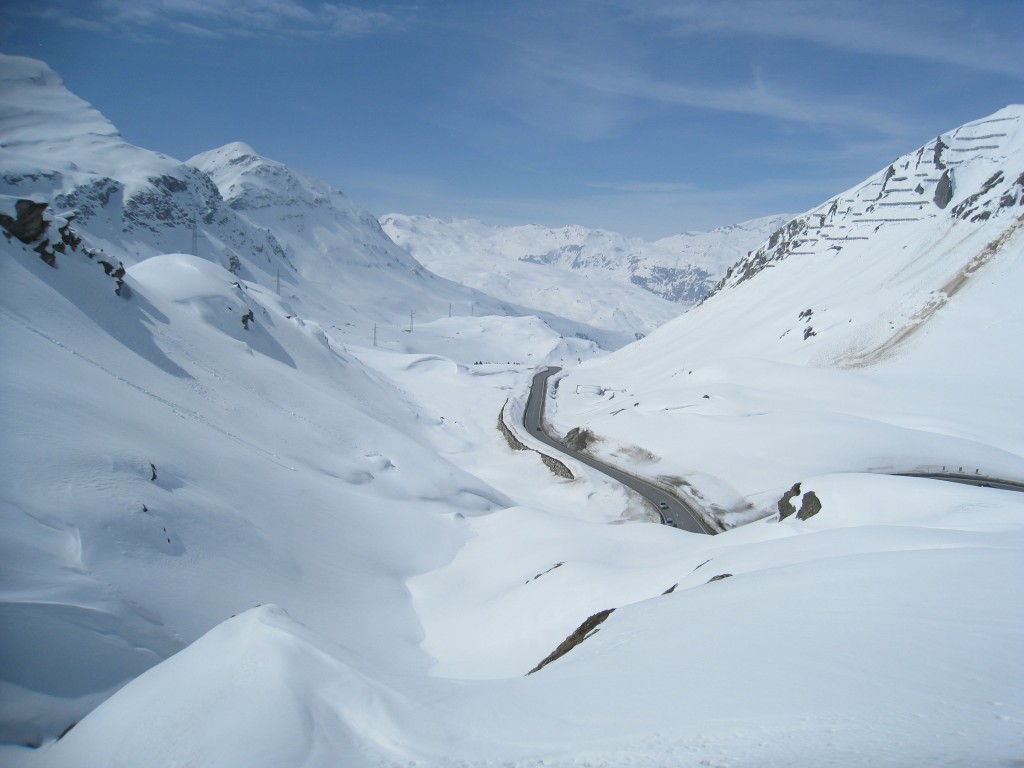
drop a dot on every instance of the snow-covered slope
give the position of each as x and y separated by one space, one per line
340 256
874 332
351 566
583 272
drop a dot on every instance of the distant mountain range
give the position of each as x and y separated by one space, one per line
502 260
270 224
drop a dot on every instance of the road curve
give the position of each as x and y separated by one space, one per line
682 515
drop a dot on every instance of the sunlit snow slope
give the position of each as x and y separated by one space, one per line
234 531
876 332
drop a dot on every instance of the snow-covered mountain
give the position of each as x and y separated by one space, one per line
871 333
583 266
274 542
260 220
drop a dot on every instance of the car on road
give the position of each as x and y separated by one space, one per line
662 505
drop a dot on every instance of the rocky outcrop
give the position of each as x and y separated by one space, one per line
557 468
31 225
943 190
907 191
785 504
810 504
579 439
28 224
513 442
585 630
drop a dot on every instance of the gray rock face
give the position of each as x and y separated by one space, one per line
28 224
944 190
785 504
810 505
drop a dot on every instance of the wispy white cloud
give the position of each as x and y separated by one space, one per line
587 78
219 18
756 98
977 36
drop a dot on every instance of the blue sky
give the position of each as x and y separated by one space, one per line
648 117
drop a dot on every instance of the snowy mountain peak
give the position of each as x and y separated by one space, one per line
35 107
249 181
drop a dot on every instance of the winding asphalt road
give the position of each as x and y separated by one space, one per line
675 511
672 509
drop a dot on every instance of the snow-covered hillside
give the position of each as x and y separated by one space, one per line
235 531
583 273
875 332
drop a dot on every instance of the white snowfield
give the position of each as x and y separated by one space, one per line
272 543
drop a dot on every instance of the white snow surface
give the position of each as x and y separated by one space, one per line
284 545
850 346
594 276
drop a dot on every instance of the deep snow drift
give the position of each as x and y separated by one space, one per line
268 542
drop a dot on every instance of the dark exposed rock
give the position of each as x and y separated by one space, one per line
943 190
940 145
579 439
977 207
46 254
785 504
556 467
810 505
585 630
513 442
719 577
88 199
28 224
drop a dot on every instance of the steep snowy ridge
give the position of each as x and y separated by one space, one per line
972 173
312 218
276 227
888 310
128 202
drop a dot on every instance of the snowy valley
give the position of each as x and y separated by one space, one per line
258 509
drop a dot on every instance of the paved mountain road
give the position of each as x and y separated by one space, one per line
674 508
671 507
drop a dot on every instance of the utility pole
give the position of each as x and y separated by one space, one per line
277 284
410 321
375 334
449 309
195 237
